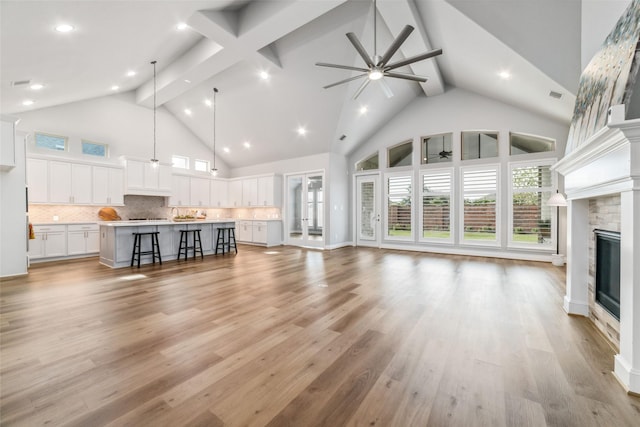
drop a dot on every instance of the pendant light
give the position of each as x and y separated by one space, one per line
214 170
154 160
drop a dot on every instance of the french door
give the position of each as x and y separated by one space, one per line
305 210
368 210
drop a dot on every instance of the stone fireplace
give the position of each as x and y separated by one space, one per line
605 170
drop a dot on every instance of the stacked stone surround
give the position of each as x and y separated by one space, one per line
604 214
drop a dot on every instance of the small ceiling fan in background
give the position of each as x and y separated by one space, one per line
444 154
378 66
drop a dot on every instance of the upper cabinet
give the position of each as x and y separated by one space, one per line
108 186
200 192
250 192
7 142
269 191
38 180
219 190
180 191
145 180
69 183
235 194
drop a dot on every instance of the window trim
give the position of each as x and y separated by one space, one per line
35 141
452 205
461 225
554 218
385 231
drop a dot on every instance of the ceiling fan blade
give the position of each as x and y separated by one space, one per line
407 77
413 59
363 53
344 67
385 88
395 45
345 81
361 88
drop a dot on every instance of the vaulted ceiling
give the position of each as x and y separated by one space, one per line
228 43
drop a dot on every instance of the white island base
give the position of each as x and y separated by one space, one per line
116 239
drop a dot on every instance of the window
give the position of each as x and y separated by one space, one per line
94 149
400 155
180 162
436 205
480 196
531 187
399 206
479 145
201 165
521 143
369 163
436 148
51 142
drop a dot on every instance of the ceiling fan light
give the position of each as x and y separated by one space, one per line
375 74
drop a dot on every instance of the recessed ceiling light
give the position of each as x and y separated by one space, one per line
114 87
65 28
504 75
302 131
247 144
226 149
37 86
181 26
187 111
131 73
187 81
363 109
264 75
208 102
28 102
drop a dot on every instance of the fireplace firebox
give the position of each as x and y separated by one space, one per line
608 271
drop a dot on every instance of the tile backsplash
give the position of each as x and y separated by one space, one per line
140 207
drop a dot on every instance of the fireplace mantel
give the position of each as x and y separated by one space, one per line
608 163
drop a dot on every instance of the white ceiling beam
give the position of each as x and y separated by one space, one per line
396 15
233 37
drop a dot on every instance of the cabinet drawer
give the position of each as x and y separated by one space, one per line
83 227
49 228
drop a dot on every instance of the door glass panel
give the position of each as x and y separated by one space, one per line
295 207
367 211
315 207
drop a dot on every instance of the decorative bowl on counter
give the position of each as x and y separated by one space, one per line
184 218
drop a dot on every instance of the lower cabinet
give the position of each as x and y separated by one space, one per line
64 240
83 239
267 233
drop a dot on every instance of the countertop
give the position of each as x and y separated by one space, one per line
138 223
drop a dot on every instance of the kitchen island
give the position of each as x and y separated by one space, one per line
116 238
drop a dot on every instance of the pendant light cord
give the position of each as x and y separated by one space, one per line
154 110
215 91
375 32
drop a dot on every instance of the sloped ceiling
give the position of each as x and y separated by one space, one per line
229 42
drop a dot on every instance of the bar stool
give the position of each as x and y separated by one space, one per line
184 245
231 239
137 244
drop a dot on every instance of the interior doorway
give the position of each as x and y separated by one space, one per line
305 210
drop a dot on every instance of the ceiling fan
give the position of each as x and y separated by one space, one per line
444 154
378 66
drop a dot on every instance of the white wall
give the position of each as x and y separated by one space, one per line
300 164
118 121
339 201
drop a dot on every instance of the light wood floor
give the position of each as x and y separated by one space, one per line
295 337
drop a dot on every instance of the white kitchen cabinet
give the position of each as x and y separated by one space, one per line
267 233
269 191
108 186
200 192
142 179
250 192
219 190
50 241
244 231
69 183
38 180
7 143
180 191
83 239
235 193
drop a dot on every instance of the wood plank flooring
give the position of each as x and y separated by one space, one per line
293 337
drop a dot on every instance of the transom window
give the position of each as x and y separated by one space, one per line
369 163
479 145
51 142
400 155
521 143
180 162
94 148
201 165
436 148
